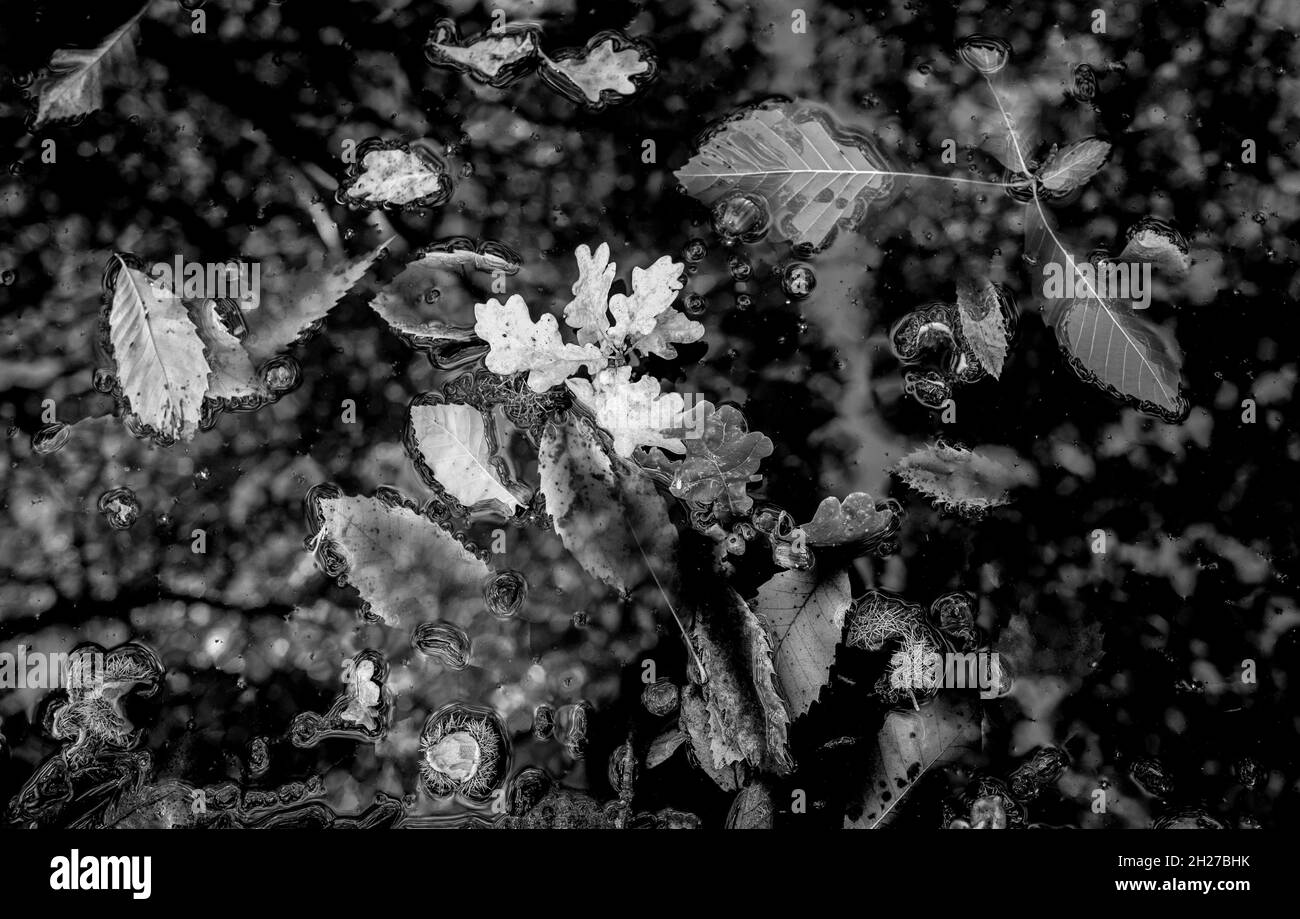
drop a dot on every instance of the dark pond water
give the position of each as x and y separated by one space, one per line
1160 667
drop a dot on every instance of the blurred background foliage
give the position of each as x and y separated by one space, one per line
230 143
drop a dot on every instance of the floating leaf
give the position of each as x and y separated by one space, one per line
1066 169
1109 345
291 305
403 304
232 375
671 327
74 85
462 252
1106 343
748 719
645 320
452 441
496 57
158 352
963 479
815 176
664 746
607 512
858 520
1153 240
721 462
805 612
695 723
588 311
610 68
519 344
752 809
944 732
396 175
405 566
635 414
980 310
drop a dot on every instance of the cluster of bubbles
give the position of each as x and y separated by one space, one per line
534 801
568 724
929 342
259 757
990 803
779 526
293 805
525 409
879 621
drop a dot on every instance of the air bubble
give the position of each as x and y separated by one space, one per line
51 438
739 267
621 771
694 305
660 698
505 593
527 788
543 722
1084 83
443 642
571 728
954 615
120 507
985 53
742 216
798 281
259 757
1149 774
281 374
929 387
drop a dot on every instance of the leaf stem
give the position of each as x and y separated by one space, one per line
704 674
867 172
1011 129
1070 262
